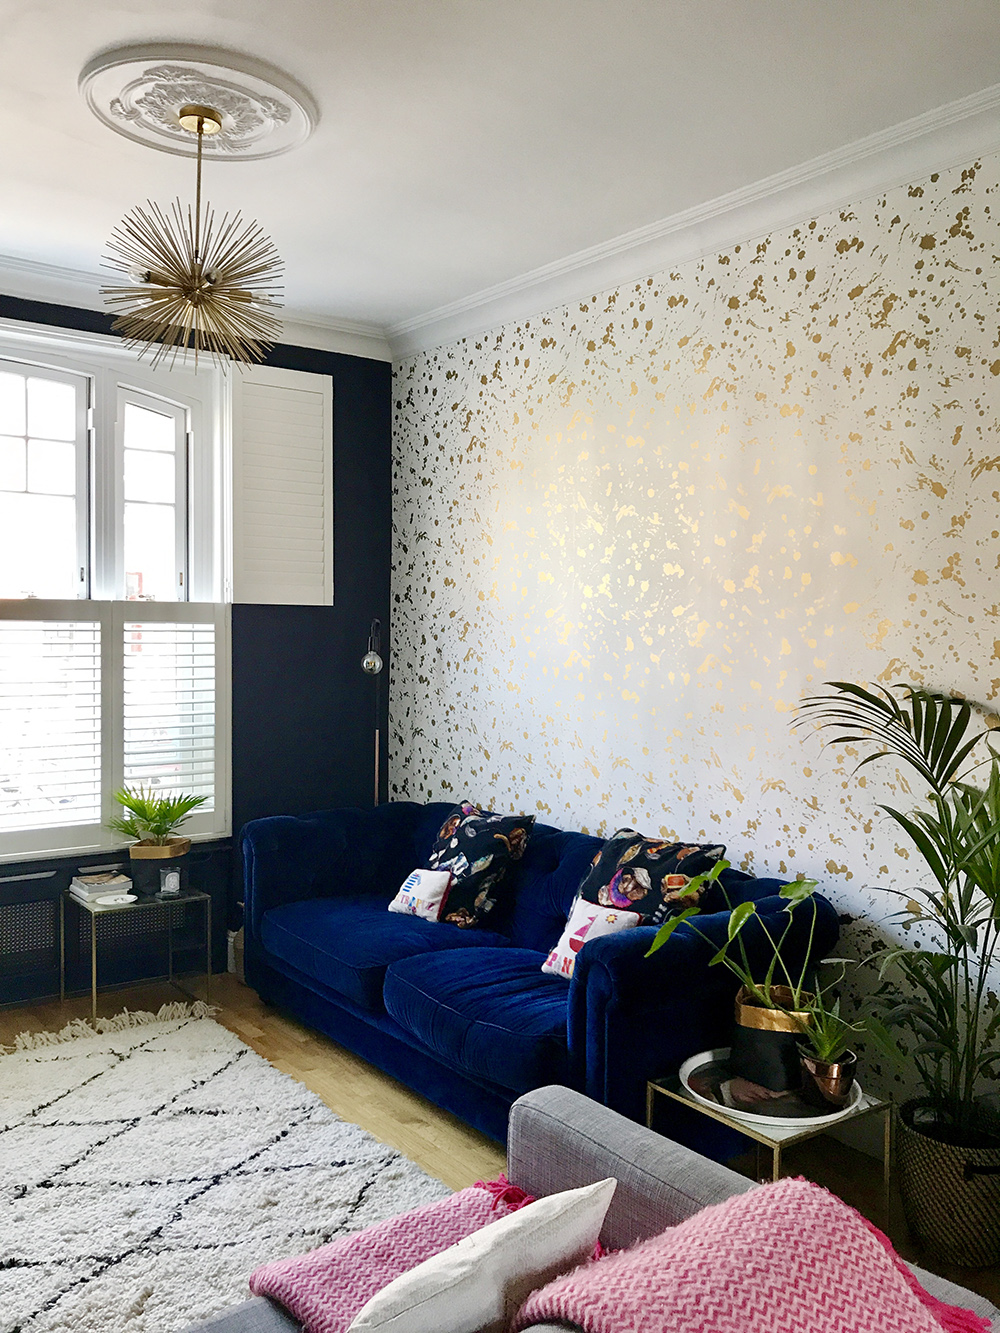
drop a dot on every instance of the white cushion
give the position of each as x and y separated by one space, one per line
586 922
478 1285
422 893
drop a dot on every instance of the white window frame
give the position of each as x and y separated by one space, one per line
83 443
113 370
180 414
29 844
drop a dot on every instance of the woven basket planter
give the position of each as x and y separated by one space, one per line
951 1195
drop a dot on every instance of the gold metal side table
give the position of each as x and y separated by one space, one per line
779 1136
141 905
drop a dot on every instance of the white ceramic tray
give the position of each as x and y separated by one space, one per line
697 1062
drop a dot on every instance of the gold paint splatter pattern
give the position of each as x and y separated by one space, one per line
629 534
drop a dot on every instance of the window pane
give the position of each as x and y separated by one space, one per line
170 708
11 404
50 719
38 546
51 467
13 472
149 476
150 556
146 429
51 409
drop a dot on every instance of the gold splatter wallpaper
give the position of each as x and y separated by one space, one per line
632 533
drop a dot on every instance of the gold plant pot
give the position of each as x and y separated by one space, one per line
165 851
765 1047
828 1083
148 860
751 1014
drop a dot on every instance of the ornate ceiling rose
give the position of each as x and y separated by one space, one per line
137 91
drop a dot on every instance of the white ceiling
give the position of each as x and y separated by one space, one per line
465 143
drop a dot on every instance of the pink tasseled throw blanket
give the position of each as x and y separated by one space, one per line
785 1258
325 1288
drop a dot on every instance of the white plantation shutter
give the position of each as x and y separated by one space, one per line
169 708
50 726
121 692
282 488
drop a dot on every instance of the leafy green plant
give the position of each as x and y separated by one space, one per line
152 818
945 1006
828 1035
776 973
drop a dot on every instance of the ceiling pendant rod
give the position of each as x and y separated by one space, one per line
197 193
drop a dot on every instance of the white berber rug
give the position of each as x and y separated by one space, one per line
146 1170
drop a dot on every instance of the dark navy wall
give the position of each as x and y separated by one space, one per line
303 710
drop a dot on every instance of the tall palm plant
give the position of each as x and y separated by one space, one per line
947 1009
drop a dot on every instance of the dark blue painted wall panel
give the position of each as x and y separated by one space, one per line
303 711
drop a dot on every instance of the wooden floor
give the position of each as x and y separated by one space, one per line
435 1140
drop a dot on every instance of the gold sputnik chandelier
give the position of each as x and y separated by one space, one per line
195 284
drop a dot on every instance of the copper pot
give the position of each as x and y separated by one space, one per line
828 1082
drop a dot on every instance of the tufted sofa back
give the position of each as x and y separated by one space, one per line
386 843
374 850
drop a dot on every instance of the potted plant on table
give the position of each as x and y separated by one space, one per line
773 1003
948 1144
153 820
828 1063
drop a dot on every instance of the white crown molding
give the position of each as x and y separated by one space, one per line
33 280
955 133
950 135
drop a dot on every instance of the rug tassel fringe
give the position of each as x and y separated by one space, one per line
128 1018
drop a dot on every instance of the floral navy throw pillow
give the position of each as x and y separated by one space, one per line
477 847
635 874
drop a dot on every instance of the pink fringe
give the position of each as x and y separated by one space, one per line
503 1192
952 1318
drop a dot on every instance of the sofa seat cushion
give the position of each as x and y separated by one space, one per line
490 1013
347 943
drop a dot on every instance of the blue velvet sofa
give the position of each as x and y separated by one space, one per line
466 1017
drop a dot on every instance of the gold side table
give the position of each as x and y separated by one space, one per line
144 905
779 1136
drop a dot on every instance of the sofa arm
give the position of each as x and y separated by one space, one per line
632 1018
287 858
560 1140
331 852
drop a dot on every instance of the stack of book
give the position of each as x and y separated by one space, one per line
87 888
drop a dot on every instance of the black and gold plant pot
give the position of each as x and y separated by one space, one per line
765 1047
149 859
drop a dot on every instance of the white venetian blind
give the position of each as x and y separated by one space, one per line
50 724
169 707
283 488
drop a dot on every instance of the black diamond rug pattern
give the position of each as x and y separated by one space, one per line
144 1173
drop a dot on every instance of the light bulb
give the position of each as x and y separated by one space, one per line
372 664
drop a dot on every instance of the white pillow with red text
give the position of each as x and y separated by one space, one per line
586 922
422 893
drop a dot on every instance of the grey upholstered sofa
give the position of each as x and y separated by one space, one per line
557 1140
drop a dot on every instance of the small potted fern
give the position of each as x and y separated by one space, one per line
153 820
